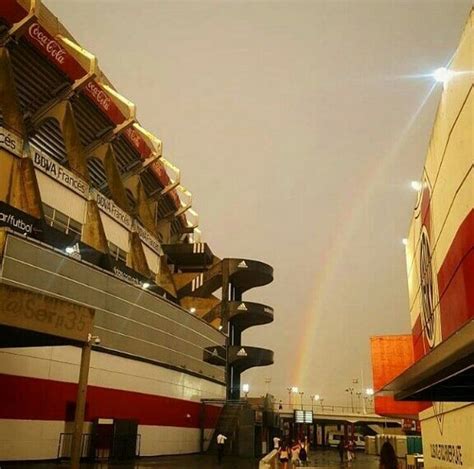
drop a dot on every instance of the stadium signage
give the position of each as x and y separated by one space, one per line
137 141
109 207
148 239
448 453
27 310
16 220
53 169
105 103
52 47
11 142
99 95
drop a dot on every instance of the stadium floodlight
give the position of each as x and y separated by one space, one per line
442 75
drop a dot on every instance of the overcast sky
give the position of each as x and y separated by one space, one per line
298 127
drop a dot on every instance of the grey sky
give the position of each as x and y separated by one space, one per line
298 127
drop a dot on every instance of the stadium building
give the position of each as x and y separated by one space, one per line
101 261
429 375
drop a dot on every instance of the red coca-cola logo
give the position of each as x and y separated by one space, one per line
134 137
50 45
99 95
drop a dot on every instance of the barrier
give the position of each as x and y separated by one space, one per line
269 461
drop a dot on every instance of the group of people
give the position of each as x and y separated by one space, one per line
346 448
295 452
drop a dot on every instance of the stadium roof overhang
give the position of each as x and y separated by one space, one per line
31 22
444 374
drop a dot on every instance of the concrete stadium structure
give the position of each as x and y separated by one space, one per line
100 248
437 378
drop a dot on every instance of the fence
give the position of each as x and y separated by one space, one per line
118 447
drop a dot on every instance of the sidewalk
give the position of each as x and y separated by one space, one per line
321 459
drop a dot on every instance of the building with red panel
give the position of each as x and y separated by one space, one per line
433 369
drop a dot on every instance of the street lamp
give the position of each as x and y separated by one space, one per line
245 389
351 392
314 397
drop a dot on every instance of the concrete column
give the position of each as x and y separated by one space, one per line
24 191
106 154
93 232
80 405
136 259
9 103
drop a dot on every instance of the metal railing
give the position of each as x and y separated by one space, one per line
324 409
89 450
269 461
65 444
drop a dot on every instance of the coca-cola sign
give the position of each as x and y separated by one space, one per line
48 43
137 141
99 95
51 48
103 100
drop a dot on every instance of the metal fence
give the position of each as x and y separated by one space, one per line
118 447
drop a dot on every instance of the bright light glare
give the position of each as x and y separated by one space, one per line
192 310
145 285
369 392
316 397
294 389
69 250
442 74
221 327
404 241
245 388
416 186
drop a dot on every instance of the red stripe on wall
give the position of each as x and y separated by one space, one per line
456 280
27 398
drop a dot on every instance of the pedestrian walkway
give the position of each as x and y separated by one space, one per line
326 459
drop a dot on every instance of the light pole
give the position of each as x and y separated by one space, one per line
351 392
321 401
291 390
267 382
358 394
246 389
314 397
369 393
301 398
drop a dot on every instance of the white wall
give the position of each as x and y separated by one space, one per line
30 439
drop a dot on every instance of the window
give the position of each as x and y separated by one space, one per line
117 253
61 221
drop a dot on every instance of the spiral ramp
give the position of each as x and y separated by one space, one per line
199 276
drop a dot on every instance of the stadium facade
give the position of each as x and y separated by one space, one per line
99 242
431 372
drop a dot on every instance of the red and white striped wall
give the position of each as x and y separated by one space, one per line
38 389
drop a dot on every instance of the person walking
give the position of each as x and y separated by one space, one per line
220 447
303 455
276 442
284 455
388 457
340 448
295 454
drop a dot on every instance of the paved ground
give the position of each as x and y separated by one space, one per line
319 460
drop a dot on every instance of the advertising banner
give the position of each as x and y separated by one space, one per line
11 142
58 172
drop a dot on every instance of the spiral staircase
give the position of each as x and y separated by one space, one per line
198 277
